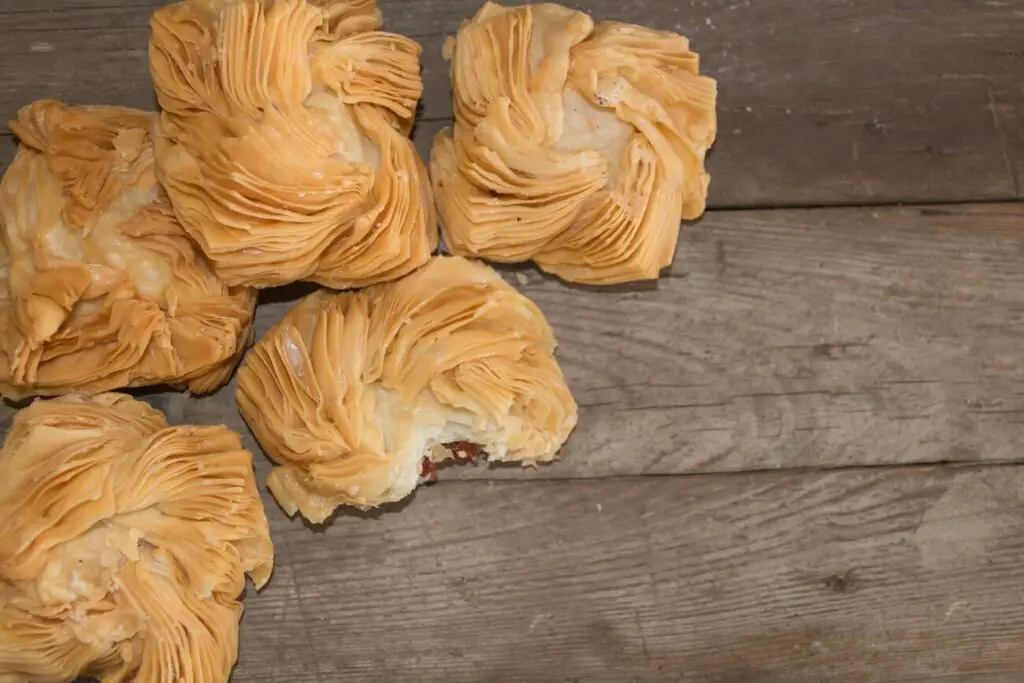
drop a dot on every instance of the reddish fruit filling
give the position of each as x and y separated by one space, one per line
428 470
462 451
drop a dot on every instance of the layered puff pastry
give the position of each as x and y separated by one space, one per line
126 544
100 288
283 141
357 396
575 145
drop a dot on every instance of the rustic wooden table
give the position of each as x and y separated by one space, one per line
797 458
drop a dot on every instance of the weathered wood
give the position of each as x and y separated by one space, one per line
817 339
799 338
858 576
843 101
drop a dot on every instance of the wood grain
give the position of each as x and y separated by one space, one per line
858 576
779 339
829 340
834 102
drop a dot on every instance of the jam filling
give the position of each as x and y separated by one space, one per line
462 451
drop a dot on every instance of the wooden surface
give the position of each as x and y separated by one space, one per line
822 101
784 338
833 397
847 577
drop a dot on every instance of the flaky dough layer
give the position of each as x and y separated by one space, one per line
575 145
100 288
283 140
356 395
125 546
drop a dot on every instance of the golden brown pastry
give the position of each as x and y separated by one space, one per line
357 395
125 545
577 146
100 288
283 142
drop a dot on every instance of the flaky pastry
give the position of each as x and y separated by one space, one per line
100 288
577 146
357 395
125 546
283 141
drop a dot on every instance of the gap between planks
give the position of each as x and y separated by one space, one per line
925 465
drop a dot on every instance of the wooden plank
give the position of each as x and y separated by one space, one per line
843 101
8 147
800 338
859 576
